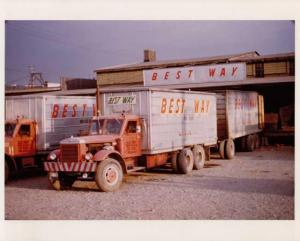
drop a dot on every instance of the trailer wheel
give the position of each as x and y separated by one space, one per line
109 175
185 161
174 161
250 143
222 149
243 143
257 141
199 157
7 172
229 149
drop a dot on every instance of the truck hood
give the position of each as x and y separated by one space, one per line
90 139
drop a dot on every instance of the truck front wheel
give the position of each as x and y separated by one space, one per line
54 181
199 157
109 175
185 161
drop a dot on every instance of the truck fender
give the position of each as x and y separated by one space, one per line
103 154
56 152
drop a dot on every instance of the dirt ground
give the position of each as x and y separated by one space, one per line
257 185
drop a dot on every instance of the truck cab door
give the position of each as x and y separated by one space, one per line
26 140
131 139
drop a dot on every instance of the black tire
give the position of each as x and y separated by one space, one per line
199 157
229 149
185 161
174 160
109 175
250 143
222 149
257 141
243 143
7 172
54 182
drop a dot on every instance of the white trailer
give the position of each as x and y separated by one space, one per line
172 119
35 124
56 117
240 119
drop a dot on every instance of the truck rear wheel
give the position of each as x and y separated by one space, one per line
109 175
250 143
199 157
185 161
229 149
222 149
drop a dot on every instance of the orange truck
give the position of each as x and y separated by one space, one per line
35 124
140 128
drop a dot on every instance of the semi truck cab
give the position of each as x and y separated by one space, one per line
114 140
20 145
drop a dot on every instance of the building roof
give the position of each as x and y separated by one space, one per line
245 57
31 90
175 63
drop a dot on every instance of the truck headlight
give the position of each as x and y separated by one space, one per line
88 156
52 156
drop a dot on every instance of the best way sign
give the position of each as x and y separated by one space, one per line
195 74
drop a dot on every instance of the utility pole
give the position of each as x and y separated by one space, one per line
35 77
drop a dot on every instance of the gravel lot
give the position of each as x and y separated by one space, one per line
258 185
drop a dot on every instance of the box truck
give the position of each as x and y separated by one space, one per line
34 126
140 128
240 119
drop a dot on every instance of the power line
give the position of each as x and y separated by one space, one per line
50 36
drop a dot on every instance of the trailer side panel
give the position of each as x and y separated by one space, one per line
242 113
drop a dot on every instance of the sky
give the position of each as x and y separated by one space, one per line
76 48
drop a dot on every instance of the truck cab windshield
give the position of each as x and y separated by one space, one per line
106 126
9 129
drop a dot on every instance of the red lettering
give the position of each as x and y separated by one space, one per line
166 75
202 106
190 73
163 106
55 111
183 102
178 74
177 105
171 105
65 111
234 69
223 72
154 76
74 110
84 109
212 72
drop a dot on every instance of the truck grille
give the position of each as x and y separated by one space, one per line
69 153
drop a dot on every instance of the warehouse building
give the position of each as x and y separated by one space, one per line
273 76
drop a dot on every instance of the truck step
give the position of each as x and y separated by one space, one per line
135 169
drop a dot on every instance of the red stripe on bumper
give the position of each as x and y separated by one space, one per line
69 167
